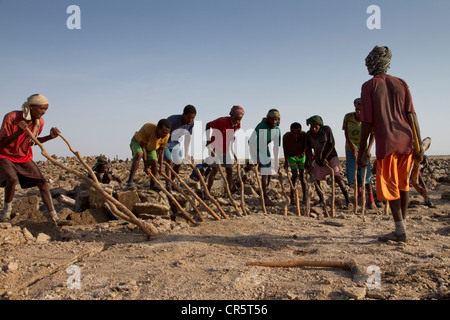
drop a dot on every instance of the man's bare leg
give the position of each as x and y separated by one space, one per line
399 208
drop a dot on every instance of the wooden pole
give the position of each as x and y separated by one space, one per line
258 179
304 263
283 189
355 209
180 190
414 171
243 207
358 274
192 192
124 212
172 198
193 205
363 191
320 191
307 194
210 197
295 191
111 203
333 190
227 187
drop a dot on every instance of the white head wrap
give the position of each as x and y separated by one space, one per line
35 99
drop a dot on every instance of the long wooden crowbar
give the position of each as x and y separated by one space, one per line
363 190
227 186
333 192
258 180
294 190
322 196
207 193
355 207
117 208
192 192
241 181
171 197
283 189
352 266
307 193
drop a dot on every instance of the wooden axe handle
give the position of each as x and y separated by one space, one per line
412 123
416 164
304 263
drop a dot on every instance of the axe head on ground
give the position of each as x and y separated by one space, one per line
358 275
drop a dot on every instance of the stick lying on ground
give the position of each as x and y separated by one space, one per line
112 203
357 273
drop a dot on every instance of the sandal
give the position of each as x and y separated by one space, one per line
393 237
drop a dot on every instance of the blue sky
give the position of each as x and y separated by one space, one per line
136 61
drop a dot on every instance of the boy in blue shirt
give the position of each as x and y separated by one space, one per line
182 125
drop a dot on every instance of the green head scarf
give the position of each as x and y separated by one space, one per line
315 120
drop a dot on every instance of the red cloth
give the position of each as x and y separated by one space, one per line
223 125
385 101
19 151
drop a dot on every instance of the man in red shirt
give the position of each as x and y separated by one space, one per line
221 140
16 155
385 105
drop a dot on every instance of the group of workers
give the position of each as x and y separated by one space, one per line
385 100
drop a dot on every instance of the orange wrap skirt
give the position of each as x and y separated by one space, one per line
393 176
